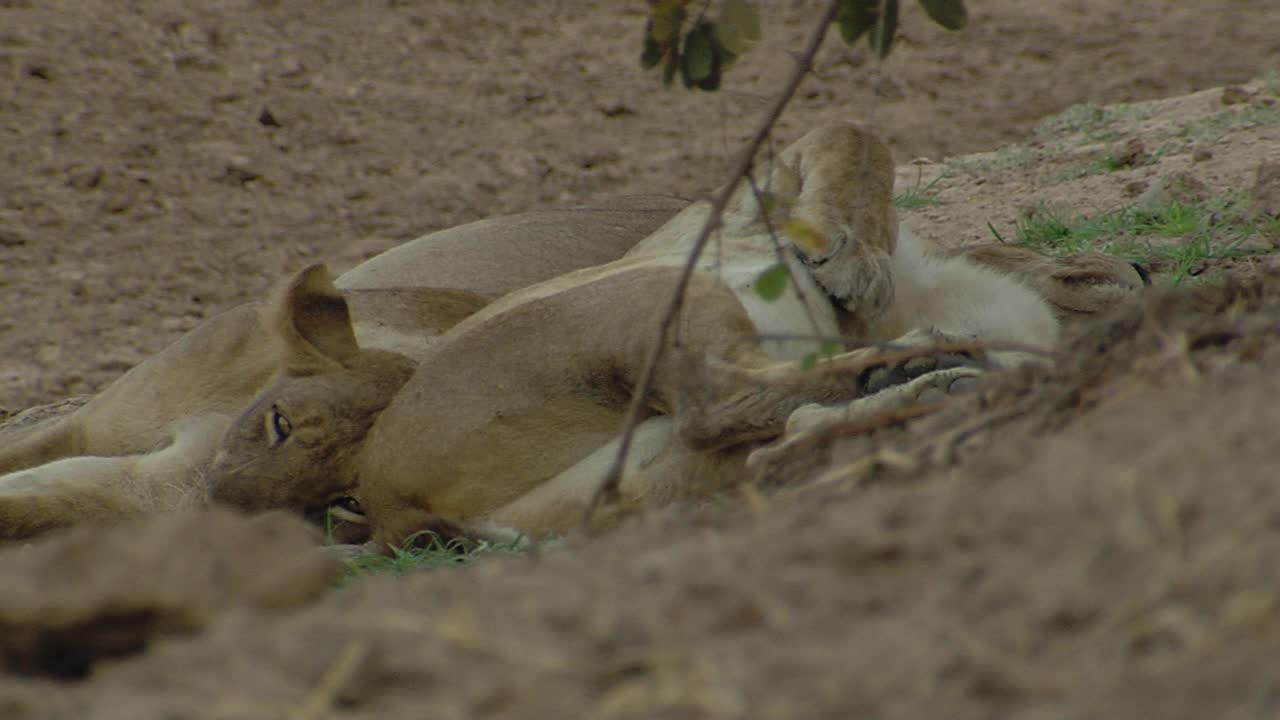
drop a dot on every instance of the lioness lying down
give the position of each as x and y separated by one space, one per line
96 464
510 416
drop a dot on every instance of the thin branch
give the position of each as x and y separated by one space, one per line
781 254
858 343
608 489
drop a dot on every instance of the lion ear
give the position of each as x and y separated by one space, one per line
314 322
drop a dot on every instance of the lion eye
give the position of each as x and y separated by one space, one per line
278 426
347 508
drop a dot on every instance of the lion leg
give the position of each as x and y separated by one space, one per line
726 403
103 490
655 466
509 401
43 440
63 493
837 180
216 368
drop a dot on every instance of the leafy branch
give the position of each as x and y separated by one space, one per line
700 56
608 489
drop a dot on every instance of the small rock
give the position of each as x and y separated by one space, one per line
346 136
1133 188
267 119
1266 190
1132 154
1201 154
11 238
291 67
1256 243
239 170
616 108
1180 186
1234 95
86 179
297 213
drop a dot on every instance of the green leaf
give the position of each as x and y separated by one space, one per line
855 17
950 14
881 37
776 207
809 362
829 348
771 283
652 52
739 26
666 20
806 236
699 55
669 70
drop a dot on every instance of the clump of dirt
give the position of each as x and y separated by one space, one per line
1107 549
1099 541
91 593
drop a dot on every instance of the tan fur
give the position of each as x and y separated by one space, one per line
102 490
396 303
510 417
1076 286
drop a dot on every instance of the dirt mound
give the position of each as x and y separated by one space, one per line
1093 540
90 594
1072 560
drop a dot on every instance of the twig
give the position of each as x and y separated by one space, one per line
781 254
859 343
942 446
334 680
608 488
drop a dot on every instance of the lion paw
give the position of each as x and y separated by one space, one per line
929 386
861 283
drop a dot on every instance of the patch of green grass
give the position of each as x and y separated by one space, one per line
1270 80
426 551
1111 163
1235 118
1050 230
1177 235
1008 157
1090 119
1077 118
1113 160
918 197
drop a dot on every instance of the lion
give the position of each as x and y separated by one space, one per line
301 444
511 416
142 443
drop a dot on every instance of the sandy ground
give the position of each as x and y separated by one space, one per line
166 160
1101 544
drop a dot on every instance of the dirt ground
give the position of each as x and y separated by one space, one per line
1099 541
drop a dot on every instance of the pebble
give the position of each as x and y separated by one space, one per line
1266 190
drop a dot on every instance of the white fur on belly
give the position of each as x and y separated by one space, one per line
960 298
786 315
